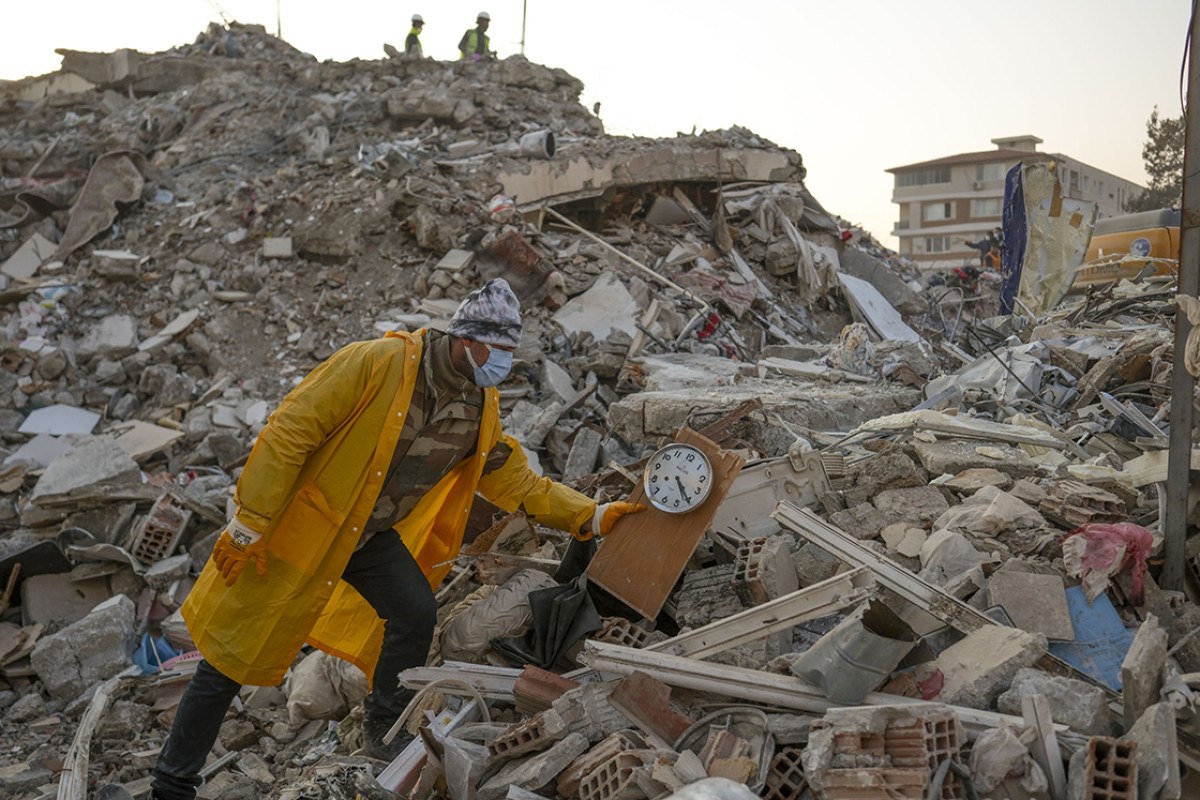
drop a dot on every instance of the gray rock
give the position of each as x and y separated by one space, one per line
953 457
1081 706
863 521
814 564
1157 753
28 708
978 668
868 477
88 651
18 778
100 460
109 372
921 504
113 336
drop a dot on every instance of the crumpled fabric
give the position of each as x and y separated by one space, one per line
323 687
505 612
999 755
1097 551
854 351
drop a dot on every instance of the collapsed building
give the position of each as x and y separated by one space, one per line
927 568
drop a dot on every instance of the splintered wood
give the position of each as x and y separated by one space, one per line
645 554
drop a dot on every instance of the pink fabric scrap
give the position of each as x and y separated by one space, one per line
1104 543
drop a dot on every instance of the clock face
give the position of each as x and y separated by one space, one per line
678 479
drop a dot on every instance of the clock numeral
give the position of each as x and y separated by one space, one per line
703 478
677 503
654 479
691 457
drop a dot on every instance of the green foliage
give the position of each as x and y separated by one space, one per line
1163 154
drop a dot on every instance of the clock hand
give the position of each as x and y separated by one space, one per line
683 490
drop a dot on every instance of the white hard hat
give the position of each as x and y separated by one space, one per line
417 18
484 15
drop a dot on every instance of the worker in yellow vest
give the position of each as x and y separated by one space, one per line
350 511
474 44
412 44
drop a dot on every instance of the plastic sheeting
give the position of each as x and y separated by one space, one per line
1046 238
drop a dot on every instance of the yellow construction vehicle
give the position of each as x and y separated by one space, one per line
1145 243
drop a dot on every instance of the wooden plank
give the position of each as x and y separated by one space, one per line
876 310
645 554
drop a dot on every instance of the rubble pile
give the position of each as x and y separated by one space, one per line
927 565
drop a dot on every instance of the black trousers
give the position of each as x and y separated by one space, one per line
385 574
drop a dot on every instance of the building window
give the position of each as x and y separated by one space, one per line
921 177
989 172
935 212
986 208
937 244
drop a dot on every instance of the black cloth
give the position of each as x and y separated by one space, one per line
387 576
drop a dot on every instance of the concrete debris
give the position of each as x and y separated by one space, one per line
1081 706
692 281
976 670
88 651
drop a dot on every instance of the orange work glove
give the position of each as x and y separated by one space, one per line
607 514
237 545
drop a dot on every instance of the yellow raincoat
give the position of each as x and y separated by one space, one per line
311 483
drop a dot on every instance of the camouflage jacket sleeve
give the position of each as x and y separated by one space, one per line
509 483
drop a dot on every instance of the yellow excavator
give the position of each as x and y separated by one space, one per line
1145 243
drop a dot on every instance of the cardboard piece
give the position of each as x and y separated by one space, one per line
143 439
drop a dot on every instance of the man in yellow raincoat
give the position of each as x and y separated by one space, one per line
351 507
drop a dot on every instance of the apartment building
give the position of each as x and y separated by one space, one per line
948 201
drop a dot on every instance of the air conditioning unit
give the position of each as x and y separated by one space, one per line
977 185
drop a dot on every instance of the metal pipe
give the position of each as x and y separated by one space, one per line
654 276
1182 384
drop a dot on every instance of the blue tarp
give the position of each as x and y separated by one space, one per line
1101 639
1016 238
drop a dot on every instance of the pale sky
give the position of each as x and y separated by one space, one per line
856 86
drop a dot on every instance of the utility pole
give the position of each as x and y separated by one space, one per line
524 13
278 20
1179 460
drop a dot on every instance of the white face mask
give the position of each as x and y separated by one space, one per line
494 370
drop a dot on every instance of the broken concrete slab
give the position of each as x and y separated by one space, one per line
56 598
39 451
862 521
920 504
60 420
537 771
113 337
606 307
88 651
1157 753
100 460
31 255
904 539
879 274
1034 603
1079 705
1142 670
970 481
143 439
981 666
866 478
953 457
277 247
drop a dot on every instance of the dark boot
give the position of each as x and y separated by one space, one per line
374 729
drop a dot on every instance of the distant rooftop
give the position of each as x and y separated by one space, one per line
1008 148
